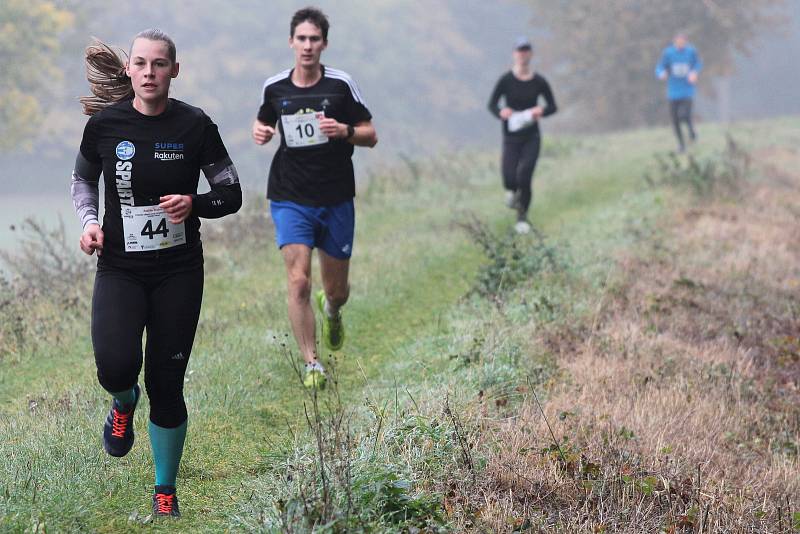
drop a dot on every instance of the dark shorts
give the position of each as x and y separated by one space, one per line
681 109
329 228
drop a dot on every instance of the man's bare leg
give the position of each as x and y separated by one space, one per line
331 298
297 259
334 273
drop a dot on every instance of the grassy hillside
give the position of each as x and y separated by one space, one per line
646 328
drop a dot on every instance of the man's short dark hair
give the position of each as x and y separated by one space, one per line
314 16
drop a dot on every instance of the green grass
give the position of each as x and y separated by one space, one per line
406 318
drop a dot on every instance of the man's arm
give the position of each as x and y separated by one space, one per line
262 132
263 129
662 66
697 66
364 133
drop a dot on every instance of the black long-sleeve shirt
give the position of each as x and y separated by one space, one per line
520 95
145 157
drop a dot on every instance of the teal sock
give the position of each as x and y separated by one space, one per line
167 444
126 399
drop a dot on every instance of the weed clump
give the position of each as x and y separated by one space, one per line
512 260
720 174
351 470
46 288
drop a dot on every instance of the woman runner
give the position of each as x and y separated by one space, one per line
521 88
150 150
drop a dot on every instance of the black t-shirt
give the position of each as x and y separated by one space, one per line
313 172
520 95
145 157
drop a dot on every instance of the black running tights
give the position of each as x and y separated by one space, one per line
126 303
519 162
681 111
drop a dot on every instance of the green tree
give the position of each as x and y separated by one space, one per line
30 42
608 50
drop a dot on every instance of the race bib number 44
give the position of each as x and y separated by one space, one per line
148 228
303 129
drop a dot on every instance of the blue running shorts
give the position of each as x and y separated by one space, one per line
329 228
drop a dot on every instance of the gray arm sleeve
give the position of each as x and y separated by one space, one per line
221 173
85 190
225 196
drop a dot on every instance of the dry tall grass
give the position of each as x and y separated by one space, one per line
681 410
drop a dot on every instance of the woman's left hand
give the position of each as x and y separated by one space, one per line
177 207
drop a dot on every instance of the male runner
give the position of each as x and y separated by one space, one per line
321 116
679 66
521 88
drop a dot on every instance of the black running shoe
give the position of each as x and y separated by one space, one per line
165 502
118 430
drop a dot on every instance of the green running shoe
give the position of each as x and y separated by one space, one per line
332 327
314 376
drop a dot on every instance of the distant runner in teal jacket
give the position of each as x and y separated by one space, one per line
679 66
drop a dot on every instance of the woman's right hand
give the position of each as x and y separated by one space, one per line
505 113
92 239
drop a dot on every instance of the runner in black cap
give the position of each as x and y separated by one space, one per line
521 88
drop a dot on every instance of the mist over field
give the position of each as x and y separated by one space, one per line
426 70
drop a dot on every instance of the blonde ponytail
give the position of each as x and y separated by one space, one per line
105 71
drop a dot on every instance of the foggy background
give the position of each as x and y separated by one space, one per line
426 69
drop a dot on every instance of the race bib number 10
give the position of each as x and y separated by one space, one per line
303 129
148 228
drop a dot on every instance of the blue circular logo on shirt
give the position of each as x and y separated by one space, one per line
125 150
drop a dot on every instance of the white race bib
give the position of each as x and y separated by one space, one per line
303 129
519 120
148 228
680 70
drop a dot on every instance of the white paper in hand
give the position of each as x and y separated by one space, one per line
519 120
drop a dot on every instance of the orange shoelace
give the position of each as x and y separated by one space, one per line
119 424
164 503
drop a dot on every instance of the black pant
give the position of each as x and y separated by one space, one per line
681 111
519 162
168 306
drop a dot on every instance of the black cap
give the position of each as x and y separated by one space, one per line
522 43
